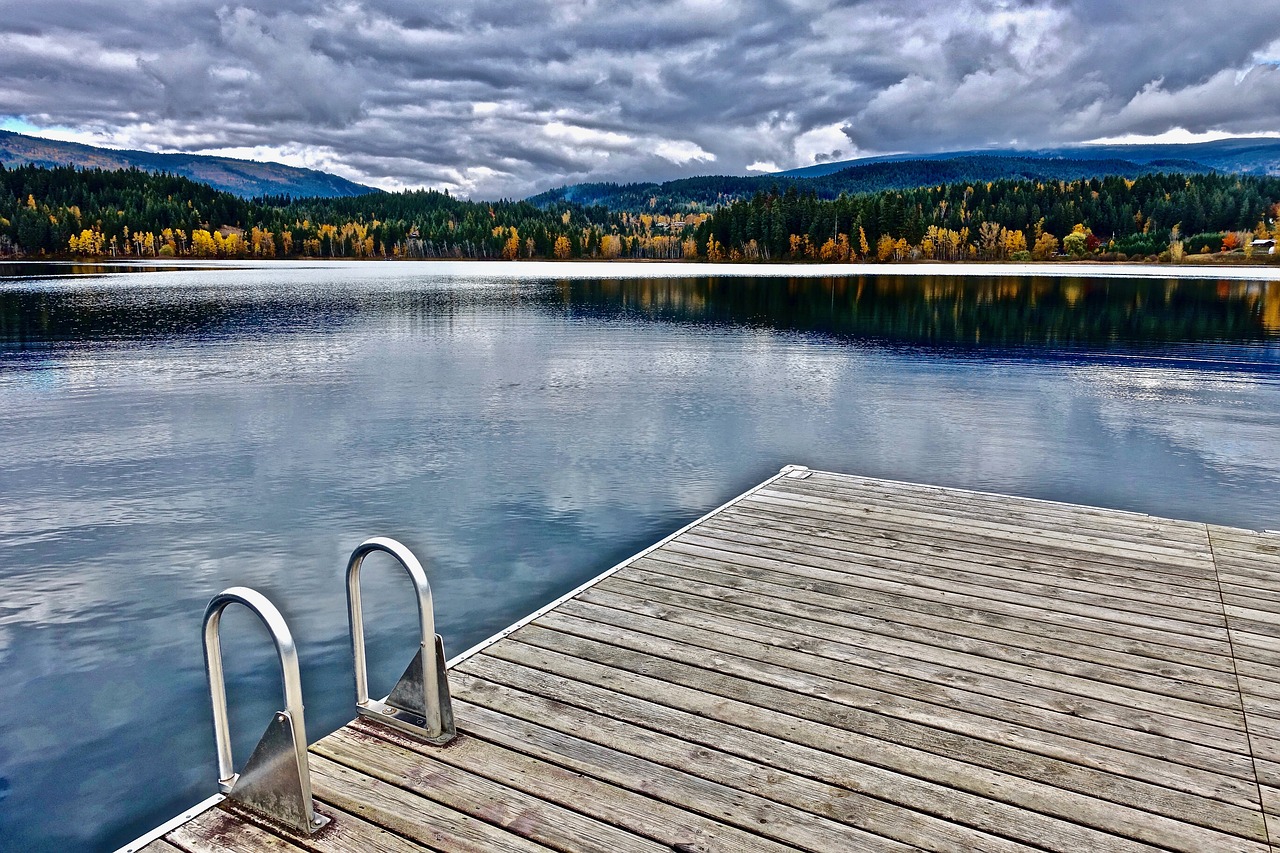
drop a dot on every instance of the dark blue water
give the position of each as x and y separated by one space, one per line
166 434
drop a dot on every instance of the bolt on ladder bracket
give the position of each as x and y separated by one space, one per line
419 703
276 780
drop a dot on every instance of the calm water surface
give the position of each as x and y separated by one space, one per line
168 433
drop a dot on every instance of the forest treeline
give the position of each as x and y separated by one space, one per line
1152 215
94 213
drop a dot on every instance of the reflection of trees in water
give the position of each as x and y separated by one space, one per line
934 309
947 309
79 315
36 317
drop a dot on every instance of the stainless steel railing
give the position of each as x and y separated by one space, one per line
419 703
276 780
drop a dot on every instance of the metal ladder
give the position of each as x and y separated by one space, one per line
275 782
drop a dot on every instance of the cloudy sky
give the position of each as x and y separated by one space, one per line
507 97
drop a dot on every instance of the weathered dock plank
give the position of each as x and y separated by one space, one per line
1249 574
835 663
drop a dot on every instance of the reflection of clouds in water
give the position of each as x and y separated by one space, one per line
268 358
31 519
1147 384
123 597
695 495
1227 421
792 365
957 423
187 368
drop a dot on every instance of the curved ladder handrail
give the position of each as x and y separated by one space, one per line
419 703
276 780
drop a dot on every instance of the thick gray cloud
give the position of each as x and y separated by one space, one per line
507 97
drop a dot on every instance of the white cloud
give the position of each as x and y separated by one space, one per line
822 144
587 136
681 152
1177 135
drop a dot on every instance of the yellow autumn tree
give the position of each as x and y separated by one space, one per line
259 241
511 248
202 244
562 247
884 248
229 245
715 251
89 242
1046 246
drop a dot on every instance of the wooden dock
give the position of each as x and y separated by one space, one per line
834 663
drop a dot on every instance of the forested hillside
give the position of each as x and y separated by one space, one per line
134 213
94 213
708 193
1002 219
244 178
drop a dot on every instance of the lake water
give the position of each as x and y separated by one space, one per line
169 433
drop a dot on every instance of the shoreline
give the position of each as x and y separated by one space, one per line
684 269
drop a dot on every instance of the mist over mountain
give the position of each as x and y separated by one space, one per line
244 178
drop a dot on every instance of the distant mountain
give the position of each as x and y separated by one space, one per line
244 178
865 176
1259 156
